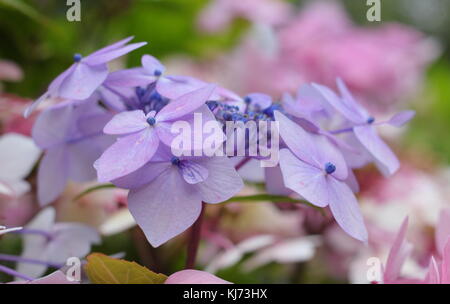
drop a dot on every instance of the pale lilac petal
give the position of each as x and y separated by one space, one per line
274 181
336 102
51 126
151 64
350 101
352 182
185 104
442 231
400 119
81 156
174 87
142 176
299 141
369 138
193 173
345 209
446 263
52 175
126 155
304 179
113 46
223 181
262 100
33 106
400 250
57 277
162 214
190 276
135 77
83 81
108 55
126 122
433 276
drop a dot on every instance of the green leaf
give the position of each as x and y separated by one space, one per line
271 198
92 189
102 269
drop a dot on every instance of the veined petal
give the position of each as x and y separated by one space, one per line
222 183
82 81
111 54
166 207
345 209
369 138
126 155
126 122
185 104
304 179
193 173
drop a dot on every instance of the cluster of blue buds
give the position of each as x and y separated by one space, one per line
148 99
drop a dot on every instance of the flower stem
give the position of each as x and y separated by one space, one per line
194 240
14 273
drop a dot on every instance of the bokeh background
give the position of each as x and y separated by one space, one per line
36 35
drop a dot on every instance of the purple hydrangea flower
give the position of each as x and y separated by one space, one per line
316 170
363 125
142 133
86 74
166 194
71 135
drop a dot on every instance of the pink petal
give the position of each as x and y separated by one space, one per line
442 231
446 263
166 207
126 122
190 276
433 276
126 155
399 252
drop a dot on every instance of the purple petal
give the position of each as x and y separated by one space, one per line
51 126
82 81
193 173
174 87
126 122
262 100
347 111
108 55
400 119
152 65
126 155
185 104
81 156
130 78
52 175
384 156
190 276
304 179
113 46
223 181
166 207
142 176
345 209
274 181
349 100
